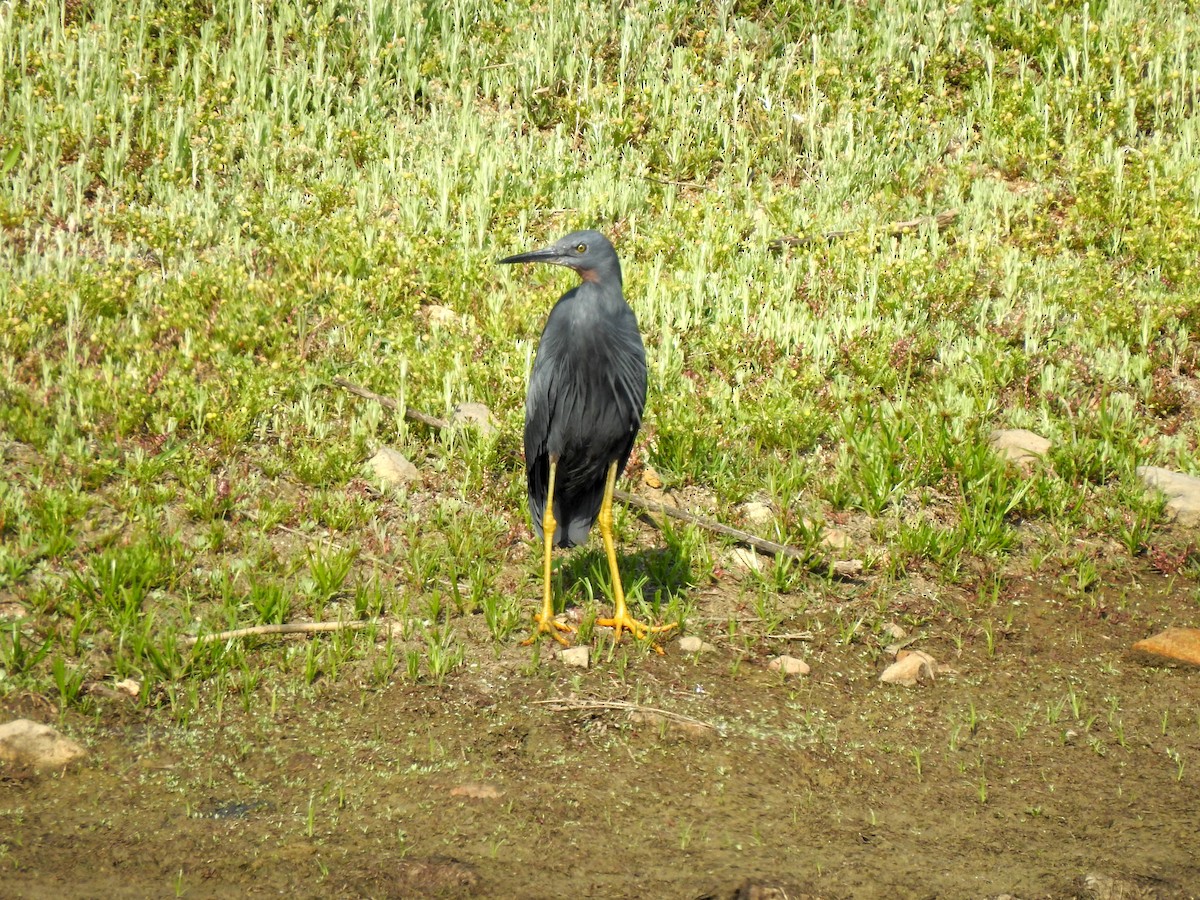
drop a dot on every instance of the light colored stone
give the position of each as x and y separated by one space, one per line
128 686
693 644
1019 445
33 744
475 415
473 791
788 665
1182 492
1175 645
847 568
894 631
835 539
757 513
651 478
575 657
910 667
440 316
392 468
745 559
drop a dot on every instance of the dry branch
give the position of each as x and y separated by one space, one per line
745 537
387 402
287 628
940 221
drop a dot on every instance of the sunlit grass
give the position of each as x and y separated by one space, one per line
209 212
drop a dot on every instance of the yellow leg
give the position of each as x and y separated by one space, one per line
620 617
546 623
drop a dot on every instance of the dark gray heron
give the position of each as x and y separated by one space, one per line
582 414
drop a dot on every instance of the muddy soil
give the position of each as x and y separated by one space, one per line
1043 762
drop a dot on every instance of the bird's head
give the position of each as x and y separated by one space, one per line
587 252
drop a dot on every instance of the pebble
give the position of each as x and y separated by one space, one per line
475 415
1175 645
440 316
1182 491
575 657
757 513
788 665
392 468
910 667
745 559
1019 445
847 568
34 744
835 539
693 644
651 479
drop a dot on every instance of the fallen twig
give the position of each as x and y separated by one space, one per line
940 221
287 628
745 537
568 705
791 636
409 413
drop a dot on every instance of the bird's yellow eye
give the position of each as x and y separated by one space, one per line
581 248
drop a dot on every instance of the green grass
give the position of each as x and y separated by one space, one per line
209 211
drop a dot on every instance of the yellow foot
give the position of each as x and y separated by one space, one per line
551 626
621 619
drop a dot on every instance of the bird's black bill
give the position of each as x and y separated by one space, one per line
548 254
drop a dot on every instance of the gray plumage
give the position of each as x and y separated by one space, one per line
587 389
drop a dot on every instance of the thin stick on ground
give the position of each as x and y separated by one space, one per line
287 628
387 402
567 705
744 537
940 221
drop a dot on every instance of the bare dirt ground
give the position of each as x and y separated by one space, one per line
1051 765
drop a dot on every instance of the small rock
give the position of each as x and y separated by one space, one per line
1182 491
1019 445
788 665
847 568
1175 645
910 667
33 744
756 513
440 316
835 539
651 479
392 468
475 415
575 657
693 644
474 791
745 559
128 686
894 631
